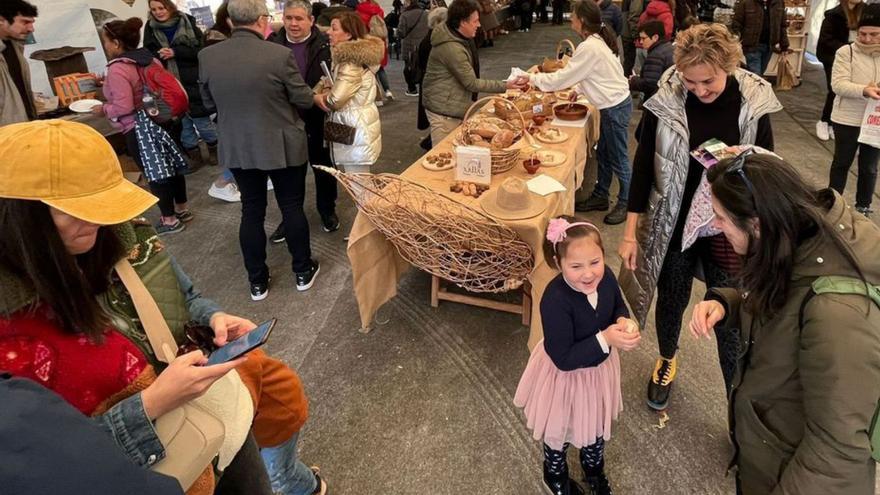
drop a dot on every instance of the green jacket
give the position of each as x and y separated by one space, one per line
803 398
450 82
172 289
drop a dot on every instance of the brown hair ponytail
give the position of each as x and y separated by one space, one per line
591 18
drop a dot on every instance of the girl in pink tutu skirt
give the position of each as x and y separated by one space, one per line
570 389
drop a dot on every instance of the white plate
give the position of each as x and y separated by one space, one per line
84 106
434 168
549 158
561 138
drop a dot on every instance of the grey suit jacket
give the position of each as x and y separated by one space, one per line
254 86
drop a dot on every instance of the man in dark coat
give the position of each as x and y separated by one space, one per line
660 57
258 92
310 47
47 446
760 25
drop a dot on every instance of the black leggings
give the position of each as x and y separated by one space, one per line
846 144
592 459
674 294
170 191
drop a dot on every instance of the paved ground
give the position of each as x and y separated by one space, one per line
423 404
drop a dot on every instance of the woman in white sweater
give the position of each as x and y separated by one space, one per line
854 79
595 71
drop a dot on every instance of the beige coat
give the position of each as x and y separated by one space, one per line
14 108
353 100
853 69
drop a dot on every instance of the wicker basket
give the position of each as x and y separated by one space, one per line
502 160
559 53
440 235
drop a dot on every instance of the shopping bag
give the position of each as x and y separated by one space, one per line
785 78
870 129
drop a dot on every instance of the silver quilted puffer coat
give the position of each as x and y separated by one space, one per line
671 162
353 100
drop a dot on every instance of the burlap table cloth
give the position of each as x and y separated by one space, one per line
377 267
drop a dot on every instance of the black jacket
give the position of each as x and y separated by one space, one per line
319 51
612 16
187 58
833 35
660 58
423 52
571 323
47 446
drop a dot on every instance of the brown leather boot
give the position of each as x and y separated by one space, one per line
211 158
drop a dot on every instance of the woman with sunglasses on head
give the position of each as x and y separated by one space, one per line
667 235
808 371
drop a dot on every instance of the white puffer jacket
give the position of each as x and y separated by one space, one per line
853 69
353 100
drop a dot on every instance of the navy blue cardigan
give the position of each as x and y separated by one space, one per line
571 323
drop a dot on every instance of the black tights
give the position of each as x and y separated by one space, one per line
592 459
170 191
674 295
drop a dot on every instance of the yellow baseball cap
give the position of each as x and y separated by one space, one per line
71 167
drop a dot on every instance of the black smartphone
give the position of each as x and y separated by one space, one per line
242 345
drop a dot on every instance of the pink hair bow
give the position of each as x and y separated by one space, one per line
556 229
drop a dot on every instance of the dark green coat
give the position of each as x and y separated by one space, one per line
803 398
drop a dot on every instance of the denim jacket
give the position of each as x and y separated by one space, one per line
127 422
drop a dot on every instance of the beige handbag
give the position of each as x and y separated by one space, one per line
192 436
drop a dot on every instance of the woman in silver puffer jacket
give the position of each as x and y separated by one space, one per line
352 99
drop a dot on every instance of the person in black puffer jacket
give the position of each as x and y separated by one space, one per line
174 38
660 57
838 29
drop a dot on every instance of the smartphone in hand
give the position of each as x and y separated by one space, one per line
243 344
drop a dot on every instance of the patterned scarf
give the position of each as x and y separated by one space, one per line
184 36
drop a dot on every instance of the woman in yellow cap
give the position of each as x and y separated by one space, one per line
67 321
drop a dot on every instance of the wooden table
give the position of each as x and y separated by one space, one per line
377 267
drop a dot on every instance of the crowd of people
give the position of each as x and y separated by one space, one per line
89 286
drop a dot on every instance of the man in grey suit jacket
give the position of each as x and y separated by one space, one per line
256 89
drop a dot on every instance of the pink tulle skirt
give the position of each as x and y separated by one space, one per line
574 407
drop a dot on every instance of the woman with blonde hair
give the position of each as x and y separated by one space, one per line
351 100
668 232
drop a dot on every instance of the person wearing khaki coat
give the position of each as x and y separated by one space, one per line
452 78
17 19
808 377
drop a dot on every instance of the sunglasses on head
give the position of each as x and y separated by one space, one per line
736 168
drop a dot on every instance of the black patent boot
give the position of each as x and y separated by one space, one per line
597 481
561 484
